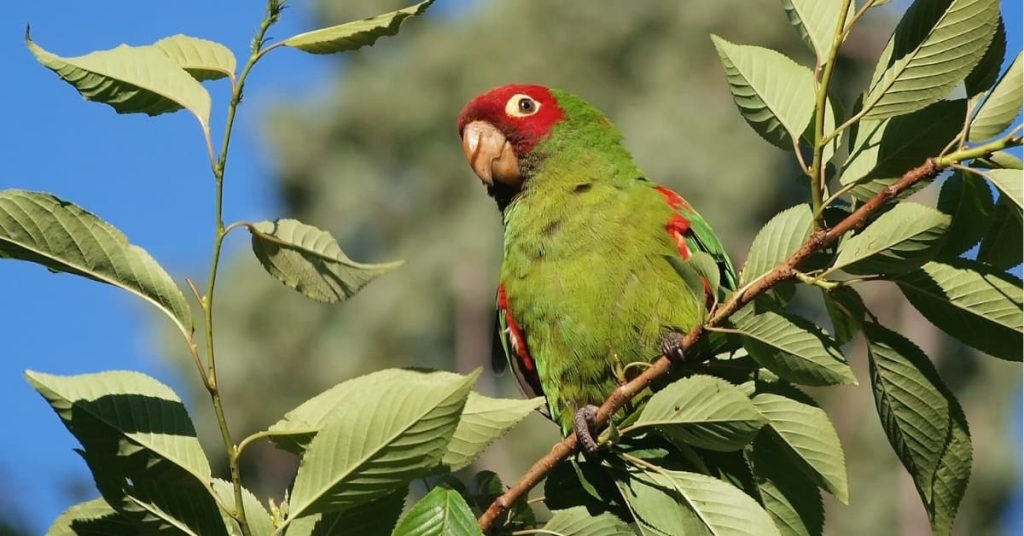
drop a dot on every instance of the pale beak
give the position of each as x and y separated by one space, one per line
490 154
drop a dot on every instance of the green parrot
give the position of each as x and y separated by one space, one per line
588 282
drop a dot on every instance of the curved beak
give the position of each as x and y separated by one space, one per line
490 154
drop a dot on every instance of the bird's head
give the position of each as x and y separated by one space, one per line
501 128
510 132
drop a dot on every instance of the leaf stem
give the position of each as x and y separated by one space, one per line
207 301
817 171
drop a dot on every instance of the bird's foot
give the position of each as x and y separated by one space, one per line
672 346
583 425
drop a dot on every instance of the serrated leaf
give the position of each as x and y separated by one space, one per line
375 518
1000 159
702 411
1002 247
130 79
790 498
1002 105
46 230
774 94
793 348
846 310
578 521
310 260
355 34
934 47
776 241
670 502
203 59
1009 181
580 483
298 427
484 421
806 435
973 302
816 22
968 201
442 512
90 518
899 240
377 440
260 523
881 151
986 72
141 447
920 417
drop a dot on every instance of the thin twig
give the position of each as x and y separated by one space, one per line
817 171
783 272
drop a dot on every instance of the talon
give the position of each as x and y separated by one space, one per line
672 346
583 426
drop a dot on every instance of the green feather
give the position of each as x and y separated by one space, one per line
586 267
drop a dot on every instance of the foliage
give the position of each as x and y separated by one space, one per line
737 450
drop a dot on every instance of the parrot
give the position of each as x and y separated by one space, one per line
587 281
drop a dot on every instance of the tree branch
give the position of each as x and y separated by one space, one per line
783 272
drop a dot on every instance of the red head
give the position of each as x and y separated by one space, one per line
502 126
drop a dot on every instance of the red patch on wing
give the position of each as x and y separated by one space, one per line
677 225
674 200
524 132
515 335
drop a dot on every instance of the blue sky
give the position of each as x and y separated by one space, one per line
150 178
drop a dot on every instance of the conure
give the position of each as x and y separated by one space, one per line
589 280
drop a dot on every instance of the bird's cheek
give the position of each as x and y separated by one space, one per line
490 154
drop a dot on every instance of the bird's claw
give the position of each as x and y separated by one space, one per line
672 346
583 425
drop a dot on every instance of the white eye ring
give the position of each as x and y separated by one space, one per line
521 105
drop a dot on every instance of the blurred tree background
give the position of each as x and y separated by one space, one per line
377 162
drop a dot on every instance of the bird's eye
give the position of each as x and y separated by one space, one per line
521 106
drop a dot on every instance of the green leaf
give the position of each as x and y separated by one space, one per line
90 518
882 151
578 521
44 229
378 439
793 348
968 201
375 518
702 411
670 502
442 512
776 241
934 47
919 415
484 420
140 445
298 427
1009 182
204 60
1000 159
816 22
846 310
899 240
973 302
774 94
310 261
806 436
355 34
790 498
1001 107
260 523
1001 247
130 79
581 483
986 72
